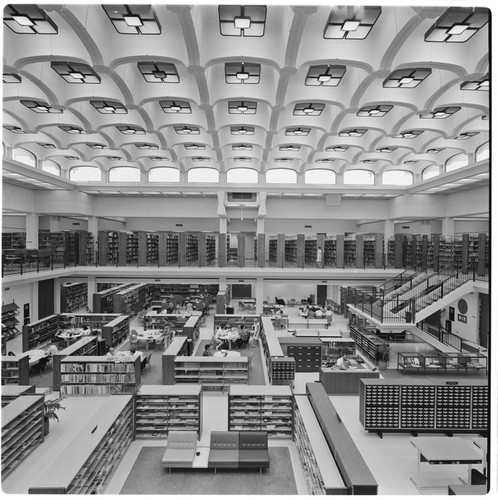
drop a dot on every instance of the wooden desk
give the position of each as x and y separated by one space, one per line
445 451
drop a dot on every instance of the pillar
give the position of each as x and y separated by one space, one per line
426 227
57 295
91 290
260 295
448 226
388 233
31 230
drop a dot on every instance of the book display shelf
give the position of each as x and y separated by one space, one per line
281 368
12 241
213 373
9 323
86 464
320 470
74 296
163 408
22 430
116 331
432 405
334 348
148 248
367 341
15 370
96 375
39 332
103 301
261 408
87 346
11 392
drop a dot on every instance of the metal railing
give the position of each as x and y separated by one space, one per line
406 276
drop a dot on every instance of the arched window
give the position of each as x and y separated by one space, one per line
397 177
164 174
24 156
458 161
51 167
430 172
203 175
281 176
482 152
124 174
319 176
359 177
242 176
85 174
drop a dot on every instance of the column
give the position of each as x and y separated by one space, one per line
388 233
426 227
260 295
33 302
91 290
55 224
448 226
31 230
57 296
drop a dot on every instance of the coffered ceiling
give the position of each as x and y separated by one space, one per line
261 87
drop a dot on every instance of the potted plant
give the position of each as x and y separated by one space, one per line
50 409
383 356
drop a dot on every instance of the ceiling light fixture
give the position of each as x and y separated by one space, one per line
299 131
457 25
325 75
137 19
184 130
40 107
351 23
410 134
14 129
481 84
71 129
352 132
407 78
308 109
109 107
159 72
181 107
441 113
241 147
194 147
242 130
337 149
11 78
27 19
242 73
131 129
74 72
290 147
248 21
374 110
242 107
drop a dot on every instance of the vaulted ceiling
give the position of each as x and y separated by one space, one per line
260 87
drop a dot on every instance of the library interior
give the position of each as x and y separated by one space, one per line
270 274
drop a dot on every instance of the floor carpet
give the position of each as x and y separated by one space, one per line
147 477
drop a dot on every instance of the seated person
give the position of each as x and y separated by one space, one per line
311 314
318 314
207 350
243 339
221 338
133 337
111 353
51 350
343 362
170 307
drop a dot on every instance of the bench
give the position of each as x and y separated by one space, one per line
180 450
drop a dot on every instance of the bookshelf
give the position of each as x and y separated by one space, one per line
235 320
15 370
367 341
9 323
350 252
12 241
74 296
261 408
272 249
210 248
163 408
291 249
167 249
213 373
116 331
132 300
98 375
22 430
330 252
11 392
430 405
103 301
86 464
281 368
87 346
259 250
39 332
310 247
319 467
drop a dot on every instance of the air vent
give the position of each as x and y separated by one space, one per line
241 196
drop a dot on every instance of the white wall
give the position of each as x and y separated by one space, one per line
14 224
293 227
469 330
169 224
22 294
466 226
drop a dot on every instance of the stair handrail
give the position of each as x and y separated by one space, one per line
419 268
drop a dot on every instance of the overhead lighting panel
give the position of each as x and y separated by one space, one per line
71 129
351 23
201 159
325 160
28 20
238 20
113 158
324 75
434 150
135 19
159 72
308 109
246 73
158 158
375 111
176 107
290 147
410 134
337 149
96 145
465 135
457 25
387 149
74 72
298 131
242 107
40 107
352 132
194 147
11 78
130 129
241 147
109 107
187 130
481 84
15 129
441 113
284 160
47 145
407 78
243 159
242 130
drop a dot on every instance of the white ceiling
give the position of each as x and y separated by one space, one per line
293 41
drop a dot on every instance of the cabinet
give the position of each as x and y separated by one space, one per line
15 370
74 296
39 332
86 464
261 408
9 322
307 352
424 405
96 375
22 430
163 408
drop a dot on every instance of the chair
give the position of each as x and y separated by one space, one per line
180 449
280 302
145 361
253 450
223 450
41 365
10 353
